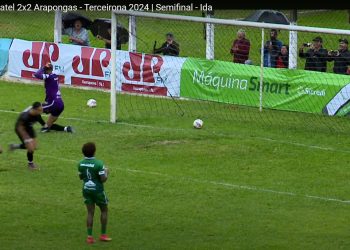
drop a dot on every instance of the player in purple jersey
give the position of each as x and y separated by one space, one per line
53 104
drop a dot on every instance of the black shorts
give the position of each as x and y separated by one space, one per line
30 132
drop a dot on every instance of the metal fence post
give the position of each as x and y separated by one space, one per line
209 40
261 70
132 33
58 27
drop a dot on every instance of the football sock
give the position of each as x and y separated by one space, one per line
68 129
89 231
104 229
30 157
57 127
18 146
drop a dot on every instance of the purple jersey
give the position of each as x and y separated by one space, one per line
52 87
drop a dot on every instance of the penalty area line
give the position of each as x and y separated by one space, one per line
216 183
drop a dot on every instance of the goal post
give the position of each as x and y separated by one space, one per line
261 70
147 22
113 115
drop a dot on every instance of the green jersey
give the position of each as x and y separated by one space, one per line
90 170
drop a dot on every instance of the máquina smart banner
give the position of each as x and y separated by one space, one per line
283 89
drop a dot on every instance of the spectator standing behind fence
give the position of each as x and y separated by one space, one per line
283 57
341 58
316 56
240 48
108 41
169 47
271 49
78 35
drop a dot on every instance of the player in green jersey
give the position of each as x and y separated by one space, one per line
94 174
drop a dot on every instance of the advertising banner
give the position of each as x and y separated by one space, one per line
87 66
283 89
75 65
5 44
227 82
149 74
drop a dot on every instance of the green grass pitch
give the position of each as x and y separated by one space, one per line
234 184
246 180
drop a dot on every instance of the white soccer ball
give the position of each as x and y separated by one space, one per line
91 103
198 123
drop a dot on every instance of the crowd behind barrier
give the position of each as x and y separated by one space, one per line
242 50
191 37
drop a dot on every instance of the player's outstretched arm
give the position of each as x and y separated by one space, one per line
41 120
42 73
39 74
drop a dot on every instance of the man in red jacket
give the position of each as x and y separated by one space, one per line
240 48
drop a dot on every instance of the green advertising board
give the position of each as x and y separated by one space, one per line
283 89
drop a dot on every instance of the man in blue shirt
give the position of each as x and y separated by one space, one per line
271 50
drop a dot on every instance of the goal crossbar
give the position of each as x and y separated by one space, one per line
233 22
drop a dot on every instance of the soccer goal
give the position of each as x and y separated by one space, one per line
211 74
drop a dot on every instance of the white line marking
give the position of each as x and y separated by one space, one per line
9 111
217 134
62 117
303 145
216 183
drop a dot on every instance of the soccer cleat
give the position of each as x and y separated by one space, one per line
45 130
32 166
12 147
70 129
90 240
104 237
